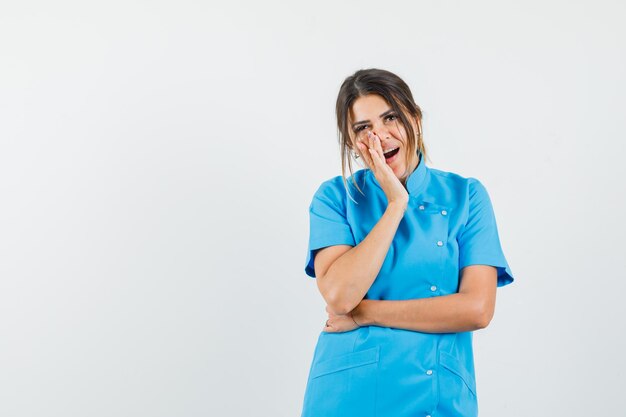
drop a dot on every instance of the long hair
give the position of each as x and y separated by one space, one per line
396 93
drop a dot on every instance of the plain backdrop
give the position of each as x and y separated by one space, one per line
157 160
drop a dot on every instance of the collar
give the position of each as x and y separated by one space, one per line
417 180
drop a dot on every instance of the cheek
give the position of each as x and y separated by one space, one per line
399 131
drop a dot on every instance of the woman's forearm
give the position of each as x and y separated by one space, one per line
351 275
444 314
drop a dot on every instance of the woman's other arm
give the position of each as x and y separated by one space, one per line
470 309
345 273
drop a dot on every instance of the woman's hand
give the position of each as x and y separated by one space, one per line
339 322
372 154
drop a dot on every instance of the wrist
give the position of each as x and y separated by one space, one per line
362 314
397 207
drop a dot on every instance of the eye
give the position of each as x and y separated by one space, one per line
359 128
391 117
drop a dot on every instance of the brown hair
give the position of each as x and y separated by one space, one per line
397 94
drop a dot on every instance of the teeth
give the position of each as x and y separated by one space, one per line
393 149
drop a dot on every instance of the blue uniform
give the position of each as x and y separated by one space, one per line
381 371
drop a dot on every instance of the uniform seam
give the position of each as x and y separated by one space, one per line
438 391
376 386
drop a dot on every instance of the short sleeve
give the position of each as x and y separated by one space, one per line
328 225
479 243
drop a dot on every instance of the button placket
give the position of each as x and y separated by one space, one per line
436 216
443 212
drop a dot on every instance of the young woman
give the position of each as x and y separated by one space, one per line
407 258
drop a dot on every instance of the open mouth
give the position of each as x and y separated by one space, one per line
391 153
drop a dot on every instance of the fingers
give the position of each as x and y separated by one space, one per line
341 323
378 146
328 328
371 151
376 150
365 154
366 145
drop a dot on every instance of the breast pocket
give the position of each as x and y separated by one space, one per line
438 214
342 386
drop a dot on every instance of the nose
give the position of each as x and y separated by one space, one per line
381 130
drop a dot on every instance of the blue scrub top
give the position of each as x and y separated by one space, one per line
380 371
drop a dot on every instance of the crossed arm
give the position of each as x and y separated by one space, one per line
470 309
345 273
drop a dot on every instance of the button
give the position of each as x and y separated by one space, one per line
421 207
429 372
439 243
443 212
433 288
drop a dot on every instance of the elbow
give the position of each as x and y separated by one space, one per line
482 317
336 297
482 322
338 304
339 301
338 310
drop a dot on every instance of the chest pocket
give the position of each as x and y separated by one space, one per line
433 208
433 219
422 239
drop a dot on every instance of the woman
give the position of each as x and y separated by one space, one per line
408 260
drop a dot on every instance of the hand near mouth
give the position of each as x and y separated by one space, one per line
372 154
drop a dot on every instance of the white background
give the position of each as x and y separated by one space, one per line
157 160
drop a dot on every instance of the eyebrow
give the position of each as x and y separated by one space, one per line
360 122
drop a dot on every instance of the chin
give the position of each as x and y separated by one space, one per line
398 169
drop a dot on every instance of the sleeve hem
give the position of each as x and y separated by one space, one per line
505 275
322 243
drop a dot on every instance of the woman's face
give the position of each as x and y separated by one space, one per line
372 113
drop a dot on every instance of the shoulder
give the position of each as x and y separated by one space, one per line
459 184
464 193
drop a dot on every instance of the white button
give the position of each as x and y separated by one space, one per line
443 212
429 372
439 243
433 288
421 207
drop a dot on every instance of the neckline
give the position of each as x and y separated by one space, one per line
416 181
